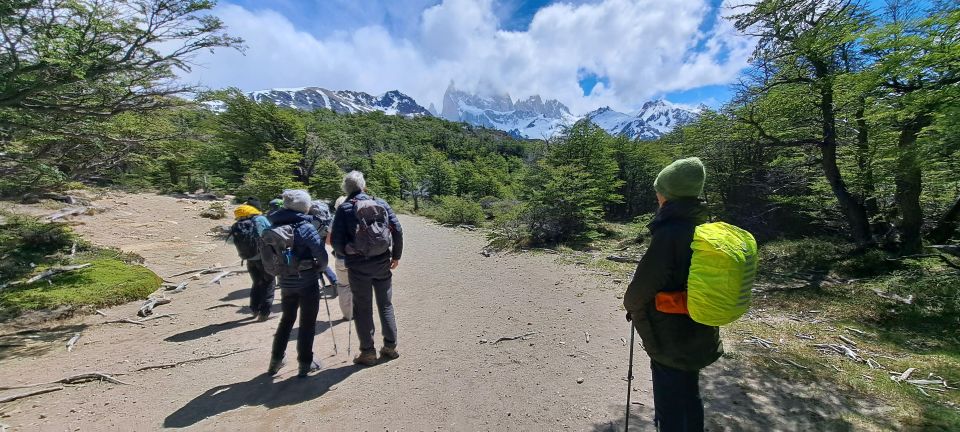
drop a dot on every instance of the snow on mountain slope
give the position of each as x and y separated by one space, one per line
653 120
341 101
529 118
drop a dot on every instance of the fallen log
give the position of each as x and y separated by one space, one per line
180 363
73 379
147 307
12 398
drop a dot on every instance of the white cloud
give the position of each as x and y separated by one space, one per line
644 48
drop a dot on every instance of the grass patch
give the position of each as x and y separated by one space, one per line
107 282
29 246
817 288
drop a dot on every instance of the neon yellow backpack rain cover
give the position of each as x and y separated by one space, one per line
722 272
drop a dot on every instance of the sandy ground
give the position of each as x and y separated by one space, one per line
450 299
452 303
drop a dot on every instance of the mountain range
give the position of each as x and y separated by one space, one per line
531 118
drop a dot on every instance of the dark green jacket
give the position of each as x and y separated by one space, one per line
673 340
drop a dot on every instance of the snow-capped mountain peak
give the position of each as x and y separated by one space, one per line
653 120
341 101
527 118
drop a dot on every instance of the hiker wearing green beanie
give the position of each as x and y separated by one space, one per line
678 346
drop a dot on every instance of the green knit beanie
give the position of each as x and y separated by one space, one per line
682 179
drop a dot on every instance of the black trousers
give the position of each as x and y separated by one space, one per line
371 278
264 285
676 399
307 300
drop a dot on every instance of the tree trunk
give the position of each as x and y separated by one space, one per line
909 183
850 204
865 162
947 225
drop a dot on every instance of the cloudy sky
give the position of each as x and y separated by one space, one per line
585 53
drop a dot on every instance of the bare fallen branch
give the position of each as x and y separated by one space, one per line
906 374
222 305
72 342
12 398
187 272
225 274
73 379
151 318
180 363
147 307
75 211
847 340
896 297
100 312
509 338
47 274
179 288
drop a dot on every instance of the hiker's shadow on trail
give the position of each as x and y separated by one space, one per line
212 329
738 397
259 391
239 294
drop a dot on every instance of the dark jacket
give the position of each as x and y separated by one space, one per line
345 228
673 340
307 244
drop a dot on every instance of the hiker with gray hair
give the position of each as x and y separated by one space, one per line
367 234
300 289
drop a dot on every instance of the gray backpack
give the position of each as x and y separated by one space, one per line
373 236
276 251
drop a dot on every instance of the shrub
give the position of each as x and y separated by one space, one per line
457 211
26 241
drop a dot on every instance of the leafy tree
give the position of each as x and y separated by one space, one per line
917 68
269 177
325 183
559 206
803 43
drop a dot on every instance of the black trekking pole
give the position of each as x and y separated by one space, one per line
329 317
626 420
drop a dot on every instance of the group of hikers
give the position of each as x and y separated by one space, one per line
693 277
286 247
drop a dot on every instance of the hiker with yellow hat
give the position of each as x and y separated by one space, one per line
245 233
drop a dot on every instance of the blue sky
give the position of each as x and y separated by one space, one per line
586 54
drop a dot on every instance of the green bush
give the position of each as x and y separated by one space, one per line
268 177
457 211
26 241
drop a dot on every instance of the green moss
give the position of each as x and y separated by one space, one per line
109 281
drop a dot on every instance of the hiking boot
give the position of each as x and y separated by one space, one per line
275 366
389 353
305 369
366 358
263 316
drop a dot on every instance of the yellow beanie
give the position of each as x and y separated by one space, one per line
245 211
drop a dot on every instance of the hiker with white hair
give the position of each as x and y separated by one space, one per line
293 250
367 234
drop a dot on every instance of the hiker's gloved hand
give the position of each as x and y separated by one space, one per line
629 317
394 264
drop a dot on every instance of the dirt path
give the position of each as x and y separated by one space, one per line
450 299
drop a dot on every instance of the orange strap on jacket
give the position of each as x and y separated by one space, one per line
672 302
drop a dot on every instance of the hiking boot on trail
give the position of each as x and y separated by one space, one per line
263 316
275 366
366 358
389 353
305 369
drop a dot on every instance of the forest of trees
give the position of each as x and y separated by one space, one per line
847 123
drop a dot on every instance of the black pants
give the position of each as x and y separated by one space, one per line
371 277
676 399
307 300
261 293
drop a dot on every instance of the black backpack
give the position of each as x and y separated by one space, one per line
277 251
245 238
373 236
322 218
